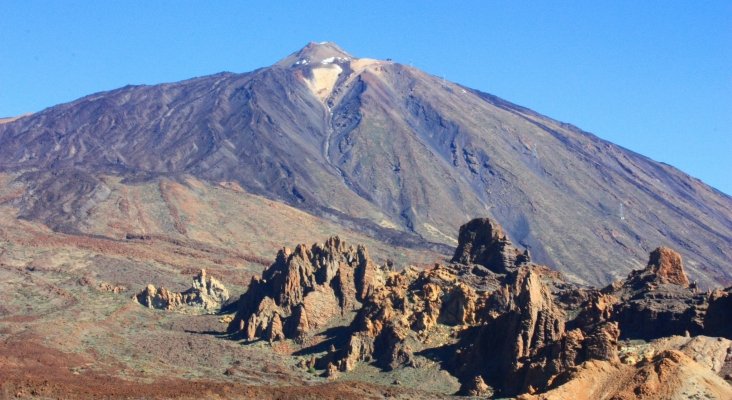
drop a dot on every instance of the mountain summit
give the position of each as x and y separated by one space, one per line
315 53
376 146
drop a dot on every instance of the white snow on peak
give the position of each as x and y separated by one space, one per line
331 60
303 61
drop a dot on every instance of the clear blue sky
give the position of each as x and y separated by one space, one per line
652 76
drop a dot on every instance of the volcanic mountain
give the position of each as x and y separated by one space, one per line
376 146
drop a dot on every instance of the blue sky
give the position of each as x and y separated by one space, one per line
652 76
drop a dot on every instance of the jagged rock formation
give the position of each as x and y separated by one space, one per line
305 289
529 338
658 300
508 330
482 241
408 306
501 324
667 267
206 295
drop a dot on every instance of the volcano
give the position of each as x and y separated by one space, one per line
381 148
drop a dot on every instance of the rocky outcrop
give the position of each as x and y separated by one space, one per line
667 266
206 295
508 330
399 315
482 241
520 326
304 290
664 267
667 374
669 371
516 327
476 387
501 324
522 322
658 300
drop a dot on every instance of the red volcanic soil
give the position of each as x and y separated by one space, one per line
29 369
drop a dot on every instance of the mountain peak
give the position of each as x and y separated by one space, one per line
315 52
390 151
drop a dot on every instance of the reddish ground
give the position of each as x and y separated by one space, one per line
29 369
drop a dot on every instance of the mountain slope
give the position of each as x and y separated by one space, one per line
382 147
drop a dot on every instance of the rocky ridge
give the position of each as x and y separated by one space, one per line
501 324
305 289
207 295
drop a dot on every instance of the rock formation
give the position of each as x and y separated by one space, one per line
667 266
305 289
206 295
668 374
664 267
482 241
658 300
407 307
508 328
476 387
501 324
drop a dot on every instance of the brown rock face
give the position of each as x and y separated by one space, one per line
602 344
540 320
408 307
207 295
482 241
510 333
658 300
667 266
304 290
657 378
515 334
459 306
667 374
523 343
524 330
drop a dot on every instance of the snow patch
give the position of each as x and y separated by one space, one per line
331 60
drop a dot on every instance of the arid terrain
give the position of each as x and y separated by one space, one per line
341 227
70 328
